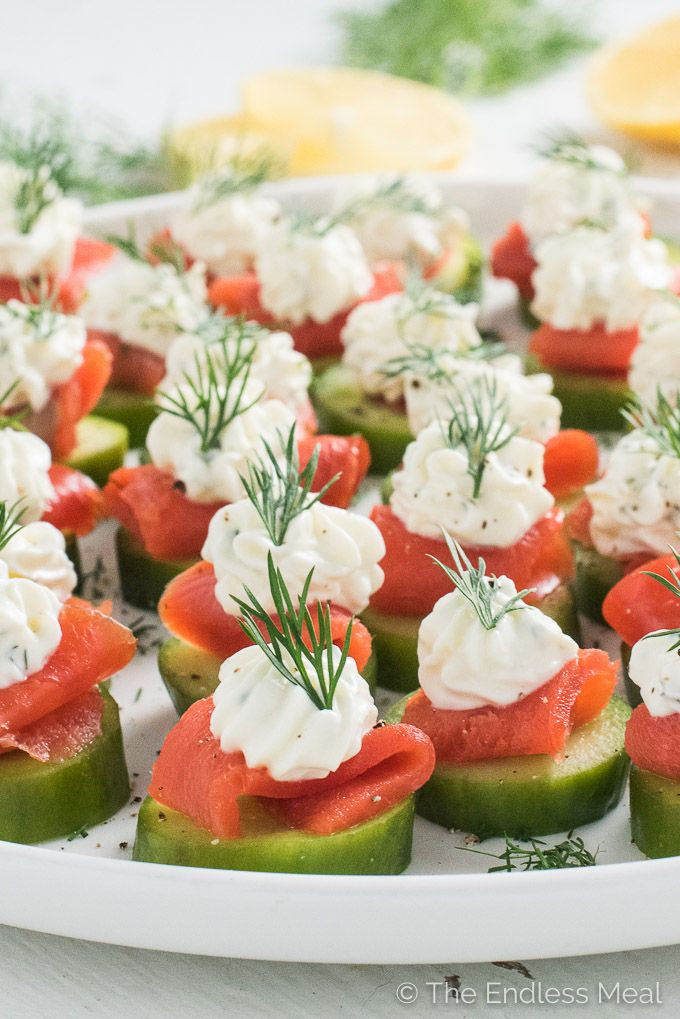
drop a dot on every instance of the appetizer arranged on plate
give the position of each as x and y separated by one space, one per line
216 420
632 512
62 764
280 516
473 476
528 737
285 767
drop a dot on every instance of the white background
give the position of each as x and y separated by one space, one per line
159 61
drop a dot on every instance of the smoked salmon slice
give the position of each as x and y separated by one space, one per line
77 397
62 733
77 504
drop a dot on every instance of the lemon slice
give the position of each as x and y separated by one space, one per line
635 86
342 120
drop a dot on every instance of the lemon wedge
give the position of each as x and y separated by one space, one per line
635 86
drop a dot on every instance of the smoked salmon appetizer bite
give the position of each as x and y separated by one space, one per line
475 478
282 515
285 767
62 766
528 736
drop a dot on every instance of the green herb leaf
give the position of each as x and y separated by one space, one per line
245 172
662 423
672 584
536 854
434 364
10 520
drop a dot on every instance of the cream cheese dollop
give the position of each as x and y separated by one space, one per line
529 404
25 461
174 445
146 305
343 548
401 218
38 552
584 183
376 332
463 666
39 349
29 628
224 227
636 502
311 271
282 371
276 726
588 276
433 490
655 364
47 246
655 669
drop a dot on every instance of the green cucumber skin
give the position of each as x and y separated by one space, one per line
143 578
343 409
595 577
633 695
395 638
101 448
133 410
591 402
379 846
46 801
465 280
190 674
654 813
523 797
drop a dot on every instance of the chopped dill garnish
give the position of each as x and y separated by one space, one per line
299 647
478 589
565 146
243 173
165 250
8 420
477 421
10 520
390 193
435 363
662 423
536 854
281 492
79 833
672 584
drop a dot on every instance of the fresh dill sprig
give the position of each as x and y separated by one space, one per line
164 250
10 520
536 854
662 423
671 584
214 393
37 308
435 363
243 173
477 421
11 420
36 192
281 492
464 46
476 587
301 653
566 146
392 193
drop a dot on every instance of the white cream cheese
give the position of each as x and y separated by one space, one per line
589 276
463 666
636 503
655 364
25 461
175 446
146 305
32 246
378 331
343 548
311 271
275 724
29 629
224 224
584 183
434 490
655 669
39 349
37 552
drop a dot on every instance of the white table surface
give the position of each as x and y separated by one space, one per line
156 61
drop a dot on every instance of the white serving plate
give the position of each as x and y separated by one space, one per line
445 907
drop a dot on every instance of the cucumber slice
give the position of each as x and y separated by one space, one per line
101 448
344 409
395 638
527 796
595 577
190 673
45 801
461 273
591 402
134 410
379 846
654 813
143 578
